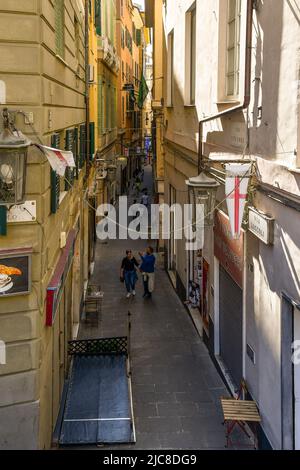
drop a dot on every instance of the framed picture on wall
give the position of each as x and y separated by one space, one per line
15 273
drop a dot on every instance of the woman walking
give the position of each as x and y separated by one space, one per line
129 273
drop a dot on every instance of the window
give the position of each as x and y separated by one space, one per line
123 109
193 57
77 40
59 7
170 75
190 56
233 47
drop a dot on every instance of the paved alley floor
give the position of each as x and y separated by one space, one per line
176 387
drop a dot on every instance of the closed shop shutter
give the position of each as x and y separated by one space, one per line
231 326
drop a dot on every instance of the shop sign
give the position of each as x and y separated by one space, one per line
262 226
229 251
25 212
15 272
56 286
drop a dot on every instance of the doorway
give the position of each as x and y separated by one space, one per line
172 240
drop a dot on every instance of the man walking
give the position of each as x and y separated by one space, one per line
147 269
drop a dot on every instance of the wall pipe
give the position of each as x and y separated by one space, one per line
247 86
87 90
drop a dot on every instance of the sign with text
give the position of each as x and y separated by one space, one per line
230 252
262 226
22 212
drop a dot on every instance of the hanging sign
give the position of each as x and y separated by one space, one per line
262 226
236 189
15 272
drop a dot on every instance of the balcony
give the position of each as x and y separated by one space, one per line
107 53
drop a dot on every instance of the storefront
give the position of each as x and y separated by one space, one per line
228 295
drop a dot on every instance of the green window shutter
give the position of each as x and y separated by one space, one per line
75 151
139 37
92 139
100 105
54 178
59 7
69 175
98 17
82 137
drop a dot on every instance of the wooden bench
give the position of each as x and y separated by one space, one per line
238 412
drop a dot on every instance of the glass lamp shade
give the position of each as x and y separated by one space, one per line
13 159
111 173
203 191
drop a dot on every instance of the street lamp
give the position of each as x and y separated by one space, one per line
203 191
111 173
13 157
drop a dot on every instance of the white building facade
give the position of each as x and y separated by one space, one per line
233 67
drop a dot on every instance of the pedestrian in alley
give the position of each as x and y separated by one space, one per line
129 273
147 269
137 186
145 199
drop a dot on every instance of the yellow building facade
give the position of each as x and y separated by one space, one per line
43 70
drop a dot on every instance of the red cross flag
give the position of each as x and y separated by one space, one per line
236 188
58 159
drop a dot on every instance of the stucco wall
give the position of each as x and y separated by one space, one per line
37 81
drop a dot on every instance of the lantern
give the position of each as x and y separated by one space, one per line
203 191
111 173
13 157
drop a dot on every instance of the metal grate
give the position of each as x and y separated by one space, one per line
97 347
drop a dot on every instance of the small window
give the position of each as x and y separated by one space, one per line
193 57
77 40
233 47
170 75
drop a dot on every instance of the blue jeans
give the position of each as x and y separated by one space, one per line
130 280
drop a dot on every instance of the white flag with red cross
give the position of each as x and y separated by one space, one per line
236 189
58 159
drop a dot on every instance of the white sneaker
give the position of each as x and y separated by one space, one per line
133 292
128 296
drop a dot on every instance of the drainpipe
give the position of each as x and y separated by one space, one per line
247 86
87 91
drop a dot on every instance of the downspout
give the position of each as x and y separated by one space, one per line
247 86
87 91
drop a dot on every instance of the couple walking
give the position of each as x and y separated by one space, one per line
146 267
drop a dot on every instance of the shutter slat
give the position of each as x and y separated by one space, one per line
69 145
54 178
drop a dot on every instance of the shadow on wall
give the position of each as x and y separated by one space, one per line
262 113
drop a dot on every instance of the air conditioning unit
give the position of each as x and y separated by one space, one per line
91 73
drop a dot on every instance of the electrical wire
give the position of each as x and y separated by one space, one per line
189 226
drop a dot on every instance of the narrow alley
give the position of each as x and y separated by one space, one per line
176 388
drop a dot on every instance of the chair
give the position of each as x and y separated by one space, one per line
93 300
238 412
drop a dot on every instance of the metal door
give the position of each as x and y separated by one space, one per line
231 326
